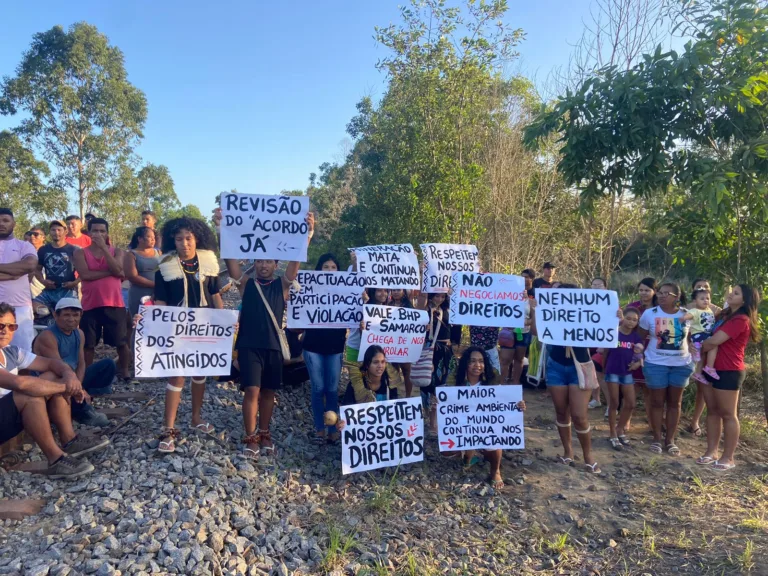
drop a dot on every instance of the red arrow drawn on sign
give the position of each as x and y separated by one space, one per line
450 443
412 430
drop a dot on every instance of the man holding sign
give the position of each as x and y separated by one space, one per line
261 343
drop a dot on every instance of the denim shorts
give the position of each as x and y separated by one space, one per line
658 377
625 379
561 374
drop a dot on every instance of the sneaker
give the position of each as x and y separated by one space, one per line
79 445
104 391
68 467
88 416
594 404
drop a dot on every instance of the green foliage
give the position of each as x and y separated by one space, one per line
82 113
23 186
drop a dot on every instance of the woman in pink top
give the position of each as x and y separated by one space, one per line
104 315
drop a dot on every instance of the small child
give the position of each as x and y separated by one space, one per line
637 356
702 321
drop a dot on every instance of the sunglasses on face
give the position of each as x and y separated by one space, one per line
9 327
665 294
35 234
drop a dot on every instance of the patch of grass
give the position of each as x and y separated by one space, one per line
461 505
378 569
744 561
757 484
384 495
753 433
652 465
558 544
756 522
339 544
410 566
649 540
501 517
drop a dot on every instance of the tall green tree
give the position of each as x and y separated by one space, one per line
23 185
690 126
82 113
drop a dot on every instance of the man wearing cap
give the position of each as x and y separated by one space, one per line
547 276
65 341
17 260
56 259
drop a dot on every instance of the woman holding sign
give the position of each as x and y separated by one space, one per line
668 364
475 369
189 277
571 401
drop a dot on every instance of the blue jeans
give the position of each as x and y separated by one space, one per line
324 373
51 297
658 377
98 378
561 374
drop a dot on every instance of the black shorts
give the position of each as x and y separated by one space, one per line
108 322
729 379
10 418
260 368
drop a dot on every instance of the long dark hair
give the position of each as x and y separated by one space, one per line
325 258
749 309
681 297
140 232
204 238
405 301
446 303
368 357
372 295
461 370
651 283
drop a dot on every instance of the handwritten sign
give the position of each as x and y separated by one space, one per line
263 226
399 331
480 418
488 300
326 300
568 317
442 260
381 435
173 341
388 266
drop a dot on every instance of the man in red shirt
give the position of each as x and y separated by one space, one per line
75 235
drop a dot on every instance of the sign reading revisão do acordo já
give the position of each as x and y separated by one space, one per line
264 227
175 341
381 434
480 418
575 317
399 331
496 300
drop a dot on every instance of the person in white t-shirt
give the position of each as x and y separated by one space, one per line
32 404
668 364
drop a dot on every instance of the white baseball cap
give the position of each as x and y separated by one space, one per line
68 303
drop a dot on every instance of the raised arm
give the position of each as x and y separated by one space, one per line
81 266
292 270
233 266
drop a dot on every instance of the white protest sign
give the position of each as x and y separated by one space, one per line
570 317
388 266
381 434
496 300
326 300
399 331
479 418
442 260
173 341
264 226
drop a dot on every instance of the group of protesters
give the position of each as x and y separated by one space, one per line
94 291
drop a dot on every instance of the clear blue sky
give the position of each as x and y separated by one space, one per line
255 95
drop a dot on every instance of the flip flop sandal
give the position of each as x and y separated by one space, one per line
474 461
616 444
698 432
251 449
319 439
699 378
167 443
204 428
266 450
593 468
704 460
722 467
624 439
656 448
496 484
333 439
566 461
673 450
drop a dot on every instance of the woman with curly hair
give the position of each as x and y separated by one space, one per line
188 276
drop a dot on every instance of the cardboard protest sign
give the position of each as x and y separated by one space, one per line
569 317
400 331
388 266
326 300
479 418
381 434
173 341
488 300
264 226
442 260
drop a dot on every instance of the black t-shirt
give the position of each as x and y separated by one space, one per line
324 340
558 354
256 327
172 292
441 328
541 283
57 262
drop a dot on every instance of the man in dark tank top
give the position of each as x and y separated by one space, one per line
258 343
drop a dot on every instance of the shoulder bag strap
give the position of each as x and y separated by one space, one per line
268 307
